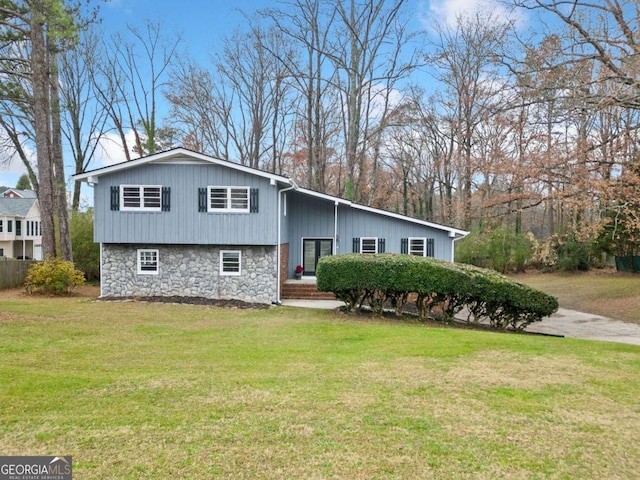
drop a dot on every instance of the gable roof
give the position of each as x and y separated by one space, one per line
183 155
20 193
175 155
16 207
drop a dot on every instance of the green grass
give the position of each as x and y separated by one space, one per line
137 390
603 292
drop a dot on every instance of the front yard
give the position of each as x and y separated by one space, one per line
138 390
603 292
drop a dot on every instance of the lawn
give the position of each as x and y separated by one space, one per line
137 390
603 292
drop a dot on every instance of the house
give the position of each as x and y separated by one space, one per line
20 225
180 223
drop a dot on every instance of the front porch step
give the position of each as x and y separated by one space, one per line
303 289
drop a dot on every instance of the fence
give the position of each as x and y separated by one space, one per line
13 272
628 264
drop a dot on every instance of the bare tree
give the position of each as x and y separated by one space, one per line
83 118
254 81
465 58
197 109
366 51
307 25
130 79
606 33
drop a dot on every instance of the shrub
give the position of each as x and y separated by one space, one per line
573 256
53 276
450 287
86 252
499 248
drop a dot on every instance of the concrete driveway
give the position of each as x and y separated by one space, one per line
567 323
571 323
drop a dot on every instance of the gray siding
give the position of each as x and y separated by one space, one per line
311 217
354 223
183 224
286 199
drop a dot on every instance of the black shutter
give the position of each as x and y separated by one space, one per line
202 199
115 197
253 200
166 199
430 247
356 245
381 244
404 245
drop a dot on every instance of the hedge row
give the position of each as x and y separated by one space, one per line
446 287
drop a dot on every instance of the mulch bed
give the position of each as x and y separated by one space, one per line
190 301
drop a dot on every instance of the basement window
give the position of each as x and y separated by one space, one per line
147 262
230 262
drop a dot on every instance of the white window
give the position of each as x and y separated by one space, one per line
418 246
148 262
140 197
230 262
228 199
369 245
0 226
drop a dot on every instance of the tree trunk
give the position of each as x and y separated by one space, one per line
41 107
59 181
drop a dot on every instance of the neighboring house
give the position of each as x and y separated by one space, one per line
15 193
20 226
180 223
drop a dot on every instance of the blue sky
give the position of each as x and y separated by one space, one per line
203 24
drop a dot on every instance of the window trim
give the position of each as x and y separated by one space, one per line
142 207
424 246
228 189
375 240
222 263
139 253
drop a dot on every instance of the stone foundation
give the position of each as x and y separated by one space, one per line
190 271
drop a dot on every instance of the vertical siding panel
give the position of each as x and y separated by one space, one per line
184 224
306 216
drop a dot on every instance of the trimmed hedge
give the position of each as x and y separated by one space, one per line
447 287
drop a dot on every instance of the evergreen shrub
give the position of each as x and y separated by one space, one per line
447 287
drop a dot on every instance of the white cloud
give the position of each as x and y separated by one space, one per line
110 151
10 162
448 11
378 98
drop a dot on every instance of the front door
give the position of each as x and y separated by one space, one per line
312 251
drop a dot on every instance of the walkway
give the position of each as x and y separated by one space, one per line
567 323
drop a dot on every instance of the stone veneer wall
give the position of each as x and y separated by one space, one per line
190 271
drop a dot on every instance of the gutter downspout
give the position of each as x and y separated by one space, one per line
335 228
278 276
453 247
